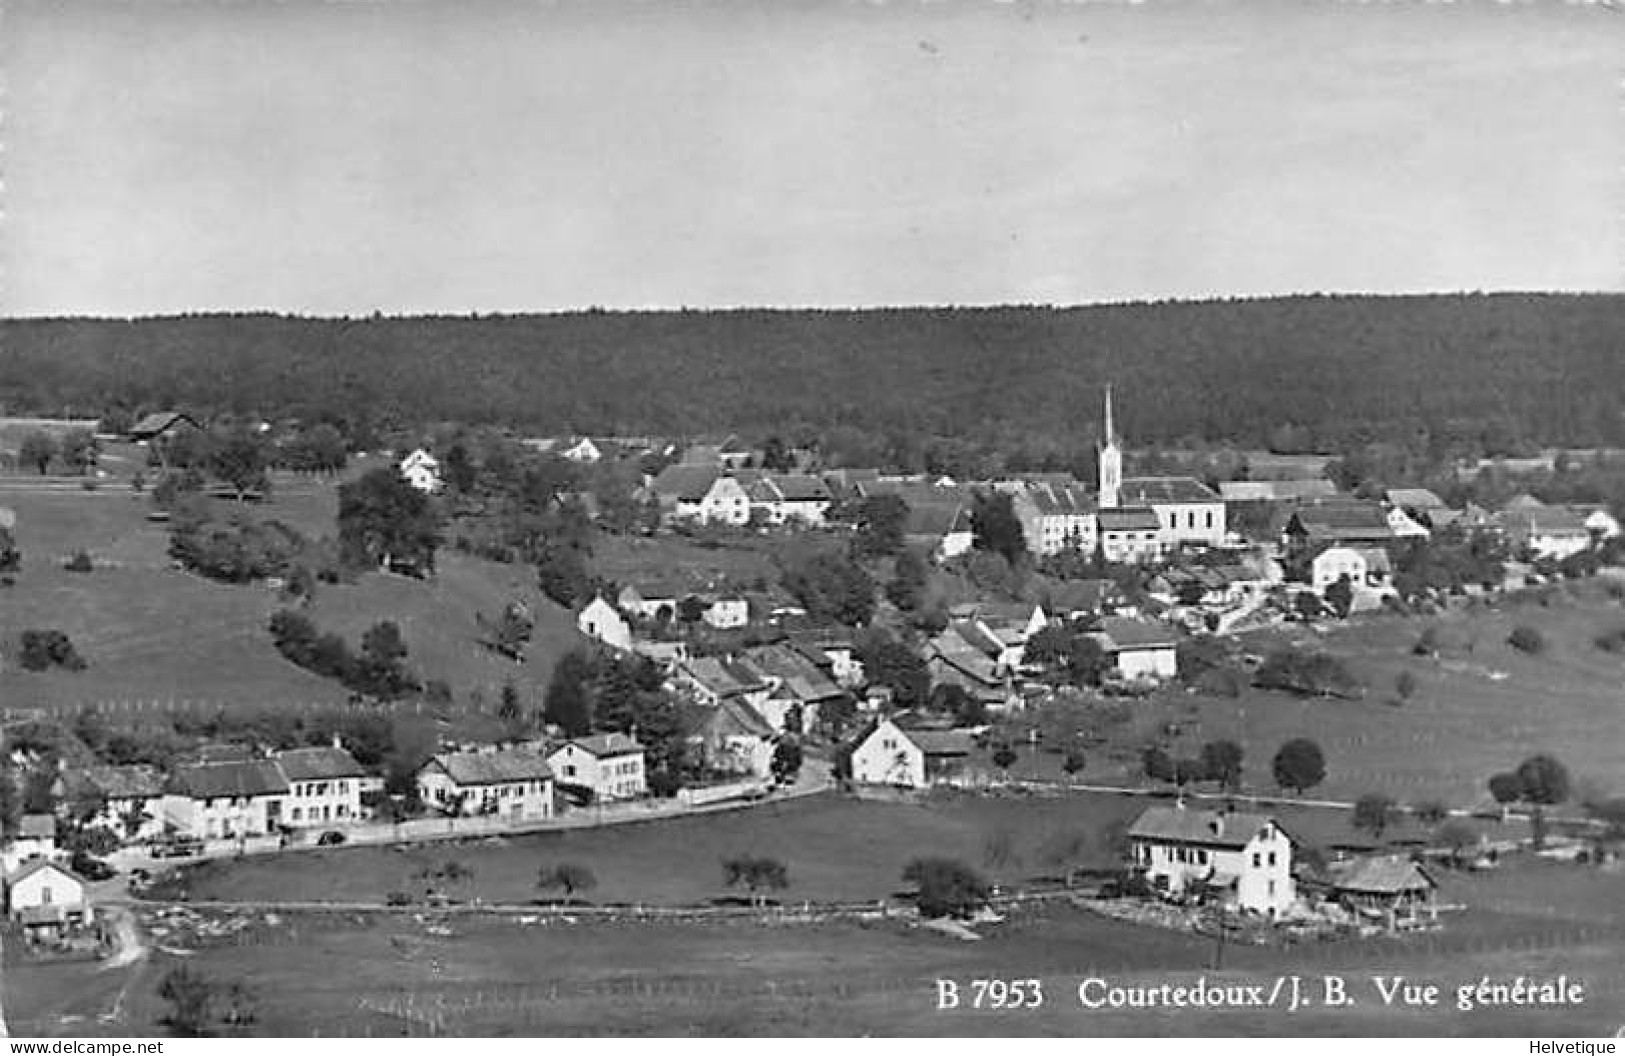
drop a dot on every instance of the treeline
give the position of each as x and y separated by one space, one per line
1487 373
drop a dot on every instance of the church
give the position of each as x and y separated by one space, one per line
1143 518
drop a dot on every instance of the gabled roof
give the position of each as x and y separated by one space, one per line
1342 516
153 424
730 718
722 677
1414 498
941 742
1206 828
1379 875
493 768
937 519
608 745
684 482
1545 520
1148 491
113 782
230 780
1080 595
801 487
1128 519
318 764
800 675
1057 500
1127 634
36 865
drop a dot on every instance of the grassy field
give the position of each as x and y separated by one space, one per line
389 975
151 633
836 849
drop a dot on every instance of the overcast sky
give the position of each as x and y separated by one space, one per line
341 159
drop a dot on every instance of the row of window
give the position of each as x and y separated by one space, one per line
320 788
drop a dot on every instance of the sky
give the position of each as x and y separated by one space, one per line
347 158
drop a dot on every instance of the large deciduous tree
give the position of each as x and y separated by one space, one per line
1299 765
383 518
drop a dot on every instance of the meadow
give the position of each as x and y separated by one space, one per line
378 975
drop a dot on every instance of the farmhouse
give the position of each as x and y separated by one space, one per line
800 688
710 680
1390 888
724 611
1341 523
890 755
1366 567
324 785
700 494
44 896
1055 517
124 800
1553 532
782 498
421 470
610 764
513 784
1129 536
600 621
730 737
645 598
1139 648
1243 860
226 800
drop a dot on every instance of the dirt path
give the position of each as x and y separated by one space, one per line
132 946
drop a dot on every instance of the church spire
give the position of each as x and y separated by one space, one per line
1111 461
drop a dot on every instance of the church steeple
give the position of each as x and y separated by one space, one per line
1111 461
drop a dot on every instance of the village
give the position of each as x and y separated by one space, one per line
702 696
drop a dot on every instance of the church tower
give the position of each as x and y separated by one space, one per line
1111 461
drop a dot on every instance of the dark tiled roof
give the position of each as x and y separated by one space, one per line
801 487
230 780
114 782
941 742
1052 501
1147 491
686 482
37 826
1206 828
494 768
1126 633
1128 519
1380 875
1342 516
318 764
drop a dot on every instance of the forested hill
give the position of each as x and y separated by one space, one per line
1548 368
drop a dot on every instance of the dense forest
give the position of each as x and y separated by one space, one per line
1491 372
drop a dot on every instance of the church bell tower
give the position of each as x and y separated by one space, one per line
1111 461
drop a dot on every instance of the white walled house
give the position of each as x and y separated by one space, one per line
601 621
611 764
1129 535
889 755
421 470
1140 649
515 784
1243 860
727 612
324 786
42 893
226 800
1188 512
1335 562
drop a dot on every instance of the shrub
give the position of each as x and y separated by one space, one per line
1612 641
945 887
1306 673
1527 639
49 648
79 562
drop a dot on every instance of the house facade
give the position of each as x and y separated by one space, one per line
889 755
1242 860
43 894
226 800
124 800
514 784
600 620
35 840
1129 535
1055 517
324 786
1140 649
610 764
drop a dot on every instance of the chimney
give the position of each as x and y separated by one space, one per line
337 743
1217 825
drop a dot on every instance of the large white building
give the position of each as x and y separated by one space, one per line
611 764
324 786
517 785
1242 860
1187 511
890 755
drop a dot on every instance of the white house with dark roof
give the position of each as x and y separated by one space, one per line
890 755
41 894
611 764
1129 535
1139 649
226 800
1242 860
700 494
1553 532
514 784
1055 517
324 786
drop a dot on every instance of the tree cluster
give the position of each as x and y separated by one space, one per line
378 670
237 549
40 650
1307 672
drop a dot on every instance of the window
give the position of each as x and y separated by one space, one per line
1272 860
1257 860
1272 888
1210 518
1201 857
